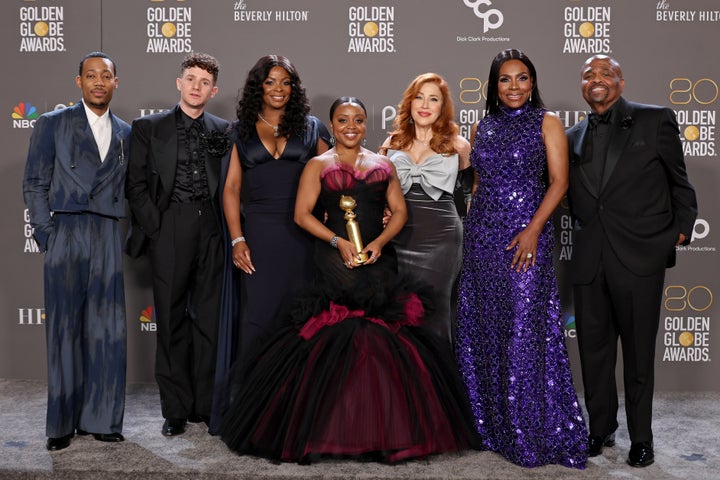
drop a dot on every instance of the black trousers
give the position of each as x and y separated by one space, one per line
618 304
187 262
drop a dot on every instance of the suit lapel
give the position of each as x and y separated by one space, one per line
585 169
85 159
114 158
165 147
212 164
617 141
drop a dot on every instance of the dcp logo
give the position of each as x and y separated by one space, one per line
487 15
701 229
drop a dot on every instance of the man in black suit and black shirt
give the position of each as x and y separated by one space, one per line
632 203
172 187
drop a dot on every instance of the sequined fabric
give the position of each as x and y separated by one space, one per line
510 340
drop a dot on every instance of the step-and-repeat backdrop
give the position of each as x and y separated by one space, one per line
370 49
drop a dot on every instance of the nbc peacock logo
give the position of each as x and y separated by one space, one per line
24 115
569 324
147 319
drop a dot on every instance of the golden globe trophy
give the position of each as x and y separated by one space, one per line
348 204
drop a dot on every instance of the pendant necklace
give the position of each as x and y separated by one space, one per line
274 127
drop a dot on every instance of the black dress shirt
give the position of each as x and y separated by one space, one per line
190 175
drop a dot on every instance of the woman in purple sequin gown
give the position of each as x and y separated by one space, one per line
510 339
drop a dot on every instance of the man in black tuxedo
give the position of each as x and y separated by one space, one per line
632 203
172 188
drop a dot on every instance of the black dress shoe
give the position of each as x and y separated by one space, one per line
109 437
103 437
596 444
197 418
641 454
173 426
58 443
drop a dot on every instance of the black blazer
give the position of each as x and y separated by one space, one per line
151 173
645 199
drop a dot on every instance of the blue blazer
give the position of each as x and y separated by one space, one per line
63 172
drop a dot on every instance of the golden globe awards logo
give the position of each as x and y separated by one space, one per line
42 29
697 126
371 29
587 30
564 229
31 245
687 337
169 29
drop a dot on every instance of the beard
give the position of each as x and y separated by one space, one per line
98 104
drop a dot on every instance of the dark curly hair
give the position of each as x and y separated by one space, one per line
492 105
251 99
203 61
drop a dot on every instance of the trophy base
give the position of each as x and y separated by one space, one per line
360 258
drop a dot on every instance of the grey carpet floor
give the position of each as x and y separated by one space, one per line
686 427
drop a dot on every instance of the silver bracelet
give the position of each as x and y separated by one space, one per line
333 241
237 240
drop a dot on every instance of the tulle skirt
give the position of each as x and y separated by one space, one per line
357 379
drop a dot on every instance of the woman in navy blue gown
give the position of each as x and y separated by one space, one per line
274 139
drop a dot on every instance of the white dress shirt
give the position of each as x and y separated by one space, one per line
101 128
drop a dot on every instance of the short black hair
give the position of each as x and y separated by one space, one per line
343 100
97 55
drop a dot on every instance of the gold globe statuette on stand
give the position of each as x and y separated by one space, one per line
348 204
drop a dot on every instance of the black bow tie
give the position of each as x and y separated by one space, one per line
594 118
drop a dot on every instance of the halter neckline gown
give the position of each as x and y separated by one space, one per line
510 338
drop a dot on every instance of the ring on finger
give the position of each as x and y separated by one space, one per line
529 255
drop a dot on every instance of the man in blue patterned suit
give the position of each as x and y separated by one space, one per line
73 188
